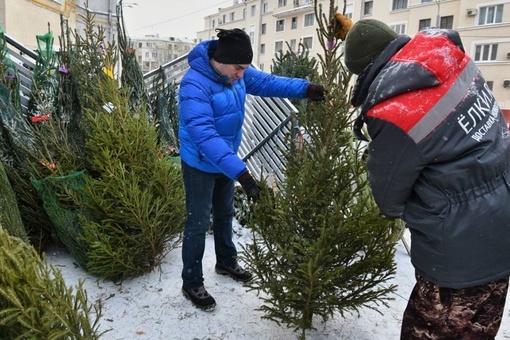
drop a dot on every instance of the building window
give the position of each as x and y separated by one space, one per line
490 84
446 22
282 3
293 24
252 34
154 54
309 19
423 24
146 55
140 45
399 28
262 48
224 18
261 66
293 45
280 25
425 1
148 44
308 42
486 52
368 7
278 46
265 7
232 16
244 13
398 4
490 15
253 10
263 29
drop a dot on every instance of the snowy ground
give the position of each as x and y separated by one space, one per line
152 306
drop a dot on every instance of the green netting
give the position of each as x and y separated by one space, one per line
45 83
9 213
63 199
174 159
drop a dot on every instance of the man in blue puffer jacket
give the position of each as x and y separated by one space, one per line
211 114
439 158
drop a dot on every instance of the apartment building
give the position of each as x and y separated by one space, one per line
23 20
271 25
275 25
153 51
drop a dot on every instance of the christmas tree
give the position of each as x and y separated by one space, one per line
18 146
136 198
35 303
9 212
320 244
116 204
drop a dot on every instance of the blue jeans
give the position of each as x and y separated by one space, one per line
206 193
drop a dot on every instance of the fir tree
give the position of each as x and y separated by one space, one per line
296 64
57 169
164 105
116 206
161 100
131 77
18 147
320 245
9 212
44 89
35 303
136 199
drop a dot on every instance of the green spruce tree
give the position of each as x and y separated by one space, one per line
35 302
58 169
116 205
164 109
320 244
136 199
131 77
9 212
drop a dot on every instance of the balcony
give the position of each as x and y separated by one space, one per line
300 6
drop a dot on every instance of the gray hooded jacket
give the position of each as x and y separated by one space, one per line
439 157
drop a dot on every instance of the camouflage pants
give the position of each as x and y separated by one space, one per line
445 313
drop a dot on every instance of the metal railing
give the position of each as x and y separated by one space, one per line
267 129
24 60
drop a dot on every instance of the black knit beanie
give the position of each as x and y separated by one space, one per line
234 47
365 40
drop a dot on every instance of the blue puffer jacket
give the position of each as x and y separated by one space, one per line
211 112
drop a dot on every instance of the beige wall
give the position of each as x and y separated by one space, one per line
24 19
2 14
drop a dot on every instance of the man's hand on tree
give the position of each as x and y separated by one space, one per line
250 187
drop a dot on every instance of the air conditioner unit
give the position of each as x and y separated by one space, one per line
506 83
471 12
